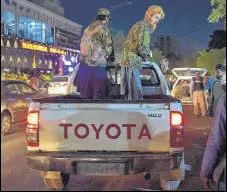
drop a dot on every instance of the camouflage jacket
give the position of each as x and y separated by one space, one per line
137 45
102 45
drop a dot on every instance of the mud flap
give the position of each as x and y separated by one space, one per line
52 179
170 180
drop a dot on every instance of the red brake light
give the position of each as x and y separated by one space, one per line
33 118
176 119
32 129
176 129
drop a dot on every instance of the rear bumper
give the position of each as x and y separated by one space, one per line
105 163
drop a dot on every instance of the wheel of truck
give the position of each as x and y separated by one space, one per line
5 123
55 180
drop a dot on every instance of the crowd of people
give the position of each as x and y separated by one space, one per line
206 91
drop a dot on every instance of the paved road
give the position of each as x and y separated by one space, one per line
16 176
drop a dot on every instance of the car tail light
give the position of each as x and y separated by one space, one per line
32 129
176 129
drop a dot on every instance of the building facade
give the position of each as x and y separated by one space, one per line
52 5
33 37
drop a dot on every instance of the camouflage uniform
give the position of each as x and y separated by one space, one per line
136 50
92 73
102 44
137 45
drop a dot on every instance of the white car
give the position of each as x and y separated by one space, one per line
181 88
59 85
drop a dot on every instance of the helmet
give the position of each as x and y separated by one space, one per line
154 9
103 12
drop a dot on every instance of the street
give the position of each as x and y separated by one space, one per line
17 176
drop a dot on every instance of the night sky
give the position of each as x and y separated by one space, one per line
185 19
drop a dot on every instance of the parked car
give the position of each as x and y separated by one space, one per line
59 85
181 87
44 87
15 99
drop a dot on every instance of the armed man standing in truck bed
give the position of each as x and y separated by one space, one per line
96 51
136 50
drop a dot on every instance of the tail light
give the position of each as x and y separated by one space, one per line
176 129
32 129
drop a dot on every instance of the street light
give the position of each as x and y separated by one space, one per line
120 5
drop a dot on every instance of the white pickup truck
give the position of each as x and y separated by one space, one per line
70 136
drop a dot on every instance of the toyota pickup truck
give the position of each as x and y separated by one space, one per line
67 135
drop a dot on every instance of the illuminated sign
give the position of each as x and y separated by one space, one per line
42 48
68 63
57 51
34 47
70 69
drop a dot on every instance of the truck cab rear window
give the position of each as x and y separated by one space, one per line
149 77
59 79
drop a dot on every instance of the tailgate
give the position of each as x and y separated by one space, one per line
104 127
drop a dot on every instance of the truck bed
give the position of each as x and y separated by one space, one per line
77 99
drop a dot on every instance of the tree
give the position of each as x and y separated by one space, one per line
209 59
218 12
191 62
217 40
157 56
175 59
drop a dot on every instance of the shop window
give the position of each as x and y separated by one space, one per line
43 32
8 22
22 28
38 31
49 34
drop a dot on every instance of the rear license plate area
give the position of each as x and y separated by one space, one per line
99 169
